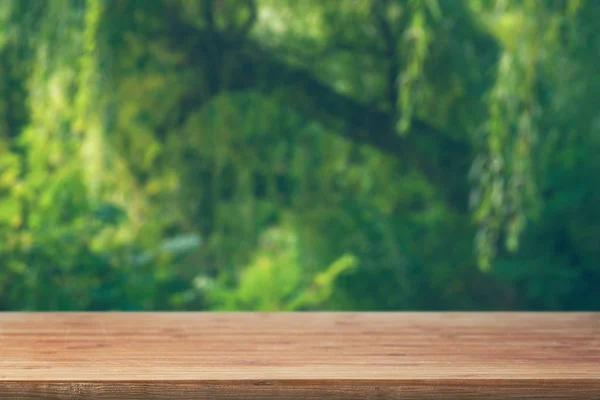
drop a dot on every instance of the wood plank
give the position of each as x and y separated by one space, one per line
300 355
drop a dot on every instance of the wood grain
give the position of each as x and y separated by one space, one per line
300 355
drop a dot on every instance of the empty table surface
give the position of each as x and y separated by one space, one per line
300 355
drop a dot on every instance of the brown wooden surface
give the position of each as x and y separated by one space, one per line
300 355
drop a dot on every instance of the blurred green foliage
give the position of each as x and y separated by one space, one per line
298 155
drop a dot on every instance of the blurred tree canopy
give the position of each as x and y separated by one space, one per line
299 154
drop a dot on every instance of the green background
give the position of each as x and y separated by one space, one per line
299 155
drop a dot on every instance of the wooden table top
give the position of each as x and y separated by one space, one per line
300 355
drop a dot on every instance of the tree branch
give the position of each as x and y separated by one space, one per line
444 160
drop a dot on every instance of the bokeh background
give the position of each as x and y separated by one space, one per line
299 155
